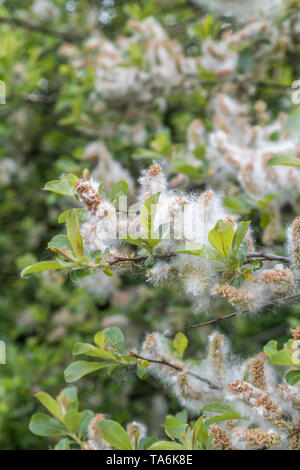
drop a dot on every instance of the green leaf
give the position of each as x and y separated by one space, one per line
44 425
73 233
93 351
221 237
81 273
61 245
281 357
86 418
119 189
148 213
81 214
115 434
234 204
79 369
293 377
218 408
141 372
51 404
65 186
196 249
63 444
115 339
145 154
149 262
41 266
166 445
140 242
99 339
199 433
239 236
271 348
180 344
293 121
108 271
283 160
71 394
72 420
224 417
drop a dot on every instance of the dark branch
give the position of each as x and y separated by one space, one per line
163 362
273 303
251 254
267 256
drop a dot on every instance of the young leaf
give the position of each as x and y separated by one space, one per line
65 186
293 377
86 418
61 245
271 348
166 445
73 234
239 236
119 189
115 339
115 434
72 420
201 250
63 444
284 160
69 393
79 369
224 417
180 344
221 237
93 351
141 372
51 404
77 274
81 214
281 357
199 433
41 266
44 425
99 339
148 213
218 408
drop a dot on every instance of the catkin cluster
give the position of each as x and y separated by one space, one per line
270 412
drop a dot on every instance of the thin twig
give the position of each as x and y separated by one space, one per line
163 362
63 35
137 259
267 256
271 304
251 254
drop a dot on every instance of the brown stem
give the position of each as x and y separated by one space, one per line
251 254
267 256
271 304
137 259
163 362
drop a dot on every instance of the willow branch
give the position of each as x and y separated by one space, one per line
273 303
251 254
163 362
63 35
267 256
137 259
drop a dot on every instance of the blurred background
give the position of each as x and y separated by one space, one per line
54 112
